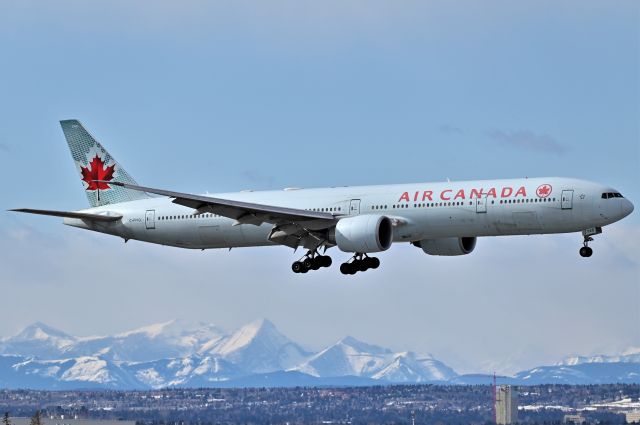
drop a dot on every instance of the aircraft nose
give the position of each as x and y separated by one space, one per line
627 207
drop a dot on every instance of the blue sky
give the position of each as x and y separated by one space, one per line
223 96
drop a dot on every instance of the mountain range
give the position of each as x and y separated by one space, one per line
181 354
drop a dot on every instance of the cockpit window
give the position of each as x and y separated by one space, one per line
609 195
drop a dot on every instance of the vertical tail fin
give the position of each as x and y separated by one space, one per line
93 162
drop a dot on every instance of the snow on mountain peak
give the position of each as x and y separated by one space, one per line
631 351
630 355
247 334
358 345
40 331
347 357
260 347
150 331
37 340
178 353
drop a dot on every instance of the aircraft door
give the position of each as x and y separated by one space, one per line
354 207
150 219
567 199
481 204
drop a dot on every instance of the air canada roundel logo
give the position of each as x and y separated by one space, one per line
96 169
543 190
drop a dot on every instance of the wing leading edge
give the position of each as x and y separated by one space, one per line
242 212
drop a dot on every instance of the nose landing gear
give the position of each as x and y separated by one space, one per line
586 251
360 263
311 261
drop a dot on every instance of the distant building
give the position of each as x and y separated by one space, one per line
633 417
506 405
574 419
46 420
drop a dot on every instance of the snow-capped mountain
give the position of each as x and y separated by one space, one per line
190 371
410 367
630 355
38 340
259 347
180 354
598 369
80 372
347 357
350 357
583 373
170 339
177 353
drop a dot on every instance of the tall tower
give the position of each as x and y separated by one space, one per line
494 389
506 405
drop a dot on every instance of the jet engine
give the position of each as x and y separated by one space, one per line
447 246
363 233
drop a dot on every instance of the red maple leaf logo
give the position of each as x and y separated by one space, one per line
543 191
96 170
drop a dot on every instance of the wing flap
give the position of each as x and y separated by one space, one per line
71 214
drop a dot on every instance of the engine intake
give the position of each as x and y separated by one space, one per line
364 233
447 246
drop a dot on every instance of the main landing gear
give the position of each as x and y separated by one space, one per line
360 263
586 251
311 261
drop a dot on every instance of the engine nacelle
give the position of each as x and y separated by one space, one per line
447 246
363 233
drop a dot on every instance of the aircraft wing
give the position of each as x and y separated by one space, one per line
71 214
243 212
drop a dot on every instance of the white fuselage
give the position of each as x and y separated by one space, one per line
419 211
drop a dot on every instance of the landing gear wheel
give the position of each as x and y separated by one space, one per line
586 251
307 263
311 261
361 265
345 268
316 263
297 267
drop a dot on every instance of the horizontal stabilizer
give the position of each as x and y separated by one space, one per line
71 214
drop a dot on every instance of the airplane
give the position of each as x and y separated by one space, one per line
441 218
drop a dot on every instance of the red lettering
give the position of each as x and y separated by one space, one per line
506 192
460 194
404 197
427 195
476 193
442 195
522 191
492 192
415 197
